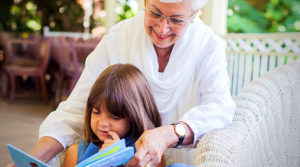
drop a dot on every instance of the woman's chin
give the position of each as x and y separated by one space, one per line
162 44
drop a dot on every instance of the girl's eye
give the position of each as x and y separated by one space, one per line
115 117
95 111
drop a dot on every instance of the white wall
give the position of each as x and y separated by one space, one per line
215 15
110 18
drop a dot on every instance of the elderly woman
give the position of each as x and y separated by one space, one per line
185 65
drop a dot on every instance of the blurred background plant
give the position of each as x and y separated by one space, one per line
126 9
244 16
29 16
260 16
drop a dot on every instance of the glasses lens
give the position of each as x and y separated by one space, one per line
173 21
176 22
154 16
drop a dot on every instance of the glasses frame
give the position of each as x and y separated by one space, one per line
170 23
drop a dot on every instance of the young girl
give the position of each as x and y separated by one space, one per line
120 105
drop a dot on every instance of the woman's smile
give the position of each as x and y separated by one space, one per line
161 37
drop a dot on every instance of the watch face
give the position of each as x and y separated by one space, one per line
180 130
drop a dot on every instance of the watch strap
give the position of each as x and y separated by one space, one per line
180 140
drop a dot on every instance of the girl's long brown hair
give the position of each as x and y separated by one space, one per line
124 91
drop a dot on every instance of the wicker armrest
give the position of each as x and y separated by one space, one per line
265 127
215 148
58 160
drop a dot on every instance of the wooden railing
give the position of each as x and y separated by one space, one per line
48 33
250 55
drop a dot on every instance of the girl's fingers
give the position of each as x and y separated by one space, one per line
114 135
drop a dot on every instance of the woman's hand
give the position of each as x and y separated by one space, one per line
10 165
151 146
108 142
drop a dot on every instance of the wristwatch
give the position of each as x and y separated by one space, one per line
180 132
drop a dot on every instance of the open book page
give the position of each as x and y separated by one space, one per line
115 155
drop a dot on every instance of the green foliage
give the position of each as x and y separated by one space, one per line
247 16
31 15
65 15
125 9
5 13
254 16
23 18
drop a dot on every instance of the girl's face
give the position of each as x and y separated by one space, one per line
102 122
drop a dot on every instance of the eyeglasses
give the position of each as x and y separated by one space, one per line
173 21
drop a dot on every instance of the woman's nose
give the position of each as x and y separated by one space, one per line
163 26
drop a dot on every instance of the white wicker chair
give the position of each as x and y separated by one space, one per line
58 160
266 126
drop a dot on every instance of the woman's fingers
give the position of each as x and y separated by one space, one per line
140 158
150 148
10 165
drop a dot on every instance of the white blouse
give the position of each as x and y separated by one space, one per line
194 88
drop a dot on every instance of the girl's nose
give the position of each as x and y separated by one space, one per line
103 120
104 123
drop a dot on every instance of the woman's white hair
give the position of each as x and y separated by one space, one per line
196 4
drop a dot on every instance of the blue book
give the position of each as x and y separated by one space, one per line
116 155
22 159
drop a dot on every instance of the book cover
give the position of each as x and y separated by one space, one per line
116 155
22 159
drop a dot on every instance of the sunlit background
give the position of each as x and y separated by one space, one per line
261 35
246 16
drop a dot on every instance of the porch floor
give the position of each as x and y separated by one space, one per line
19 124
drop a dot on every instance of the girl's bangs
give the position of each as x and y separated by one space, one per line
115 103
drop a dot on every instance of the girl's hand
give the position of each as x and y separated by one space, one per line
108 142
